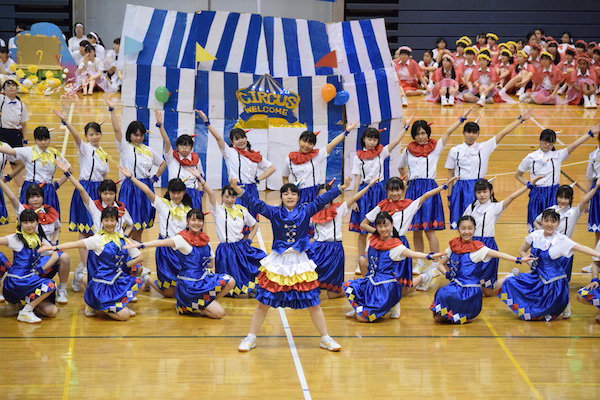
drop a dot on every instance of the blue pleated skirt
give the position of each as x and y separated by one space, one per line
489 270
112 297
241 261
138 204
404 272
195 294
540 198
167 267
22 291
50 196
330 260
372 301
431 214
456 303
196 196
592 296
365 204
594 217
3 210
80 219
531 299
463 195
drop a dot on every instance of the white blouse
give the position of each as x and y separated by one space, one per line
543 164
311 173
471 162
37 170
421 167
242 168
369 169
139 164
169 225
331 231
485 215
229 228
559 244
176 170
91 166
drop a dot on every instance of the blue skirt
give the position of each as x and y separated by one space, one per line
241 261
372 301
309 194
404 271
540 198
3 210
292 299
167 267
196 294
51 273
24 290
594 217
430 216
330 260
463 195
4 264
80 219
457 304
365 204
593 297
138 204
111 298
489 270
50 196
196 196
531 299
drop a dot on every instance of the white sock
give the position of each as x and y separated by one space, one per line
325 337
252 336
62 286
27 308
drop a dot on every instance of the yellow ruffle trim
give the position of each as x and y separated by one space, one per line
307 276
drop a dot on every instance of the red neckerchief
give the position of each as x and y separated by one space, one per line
252 155
369 154
48 217
119 206
184 161
378 244
422 150
297 157
459 247
393 206
199 239
326 214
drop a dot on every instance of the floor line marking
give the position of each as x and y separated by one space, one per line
69 357
295 356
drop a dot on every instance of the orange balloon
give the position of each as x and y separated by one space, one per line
328 92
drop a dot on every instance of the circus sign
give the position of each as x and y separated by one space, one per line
267 97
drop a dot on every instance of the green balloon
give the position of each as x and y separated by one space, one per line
162 94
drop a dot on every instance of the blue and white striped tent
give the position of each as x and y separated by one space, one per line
247 46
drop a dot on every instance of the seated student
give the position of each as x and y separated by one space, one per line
428 66
5 62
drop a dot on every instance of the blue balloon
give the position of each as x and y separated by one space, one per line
341 98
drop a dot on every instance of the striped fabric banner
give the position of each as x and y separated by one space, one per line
360 46
374 96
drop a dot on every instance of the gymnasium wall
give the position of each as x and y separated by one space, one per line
419 23
105 17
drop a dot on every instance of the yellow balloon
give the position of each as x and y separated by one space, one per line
32 69
13 67
49 74
33 78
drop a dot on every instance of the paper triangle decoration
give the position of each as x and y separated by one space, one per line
203 55
132 46
328 60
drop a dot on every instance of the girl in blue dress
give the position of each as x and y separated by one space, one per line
379 291
543 293
198 289
287 276
460 301
172 211
23 282
590 294
109 289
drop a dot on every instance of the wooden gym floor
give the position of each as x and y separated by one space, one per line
159 354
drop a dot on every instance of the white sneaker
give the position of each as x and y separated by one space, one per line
523 97
404 102
61 296
28 316
328 343
444 101
562 89
395 312
357 271
520 91
586 102
515 271
587 269
597 318
247 344
435 270
145 275
420 268
351 313
427 278
481 102
593 103
77 278
2 299
566 314
450 101
89 311
132 313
